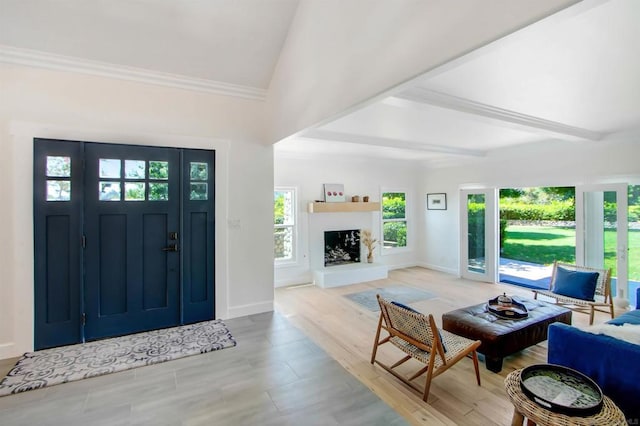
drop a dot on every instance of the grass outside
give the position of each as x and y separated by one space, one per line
544 244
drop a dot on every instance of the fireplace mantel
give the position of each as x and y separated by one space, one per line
345 207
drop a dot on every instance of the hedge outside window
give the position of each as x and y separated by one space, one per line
284 224
394 219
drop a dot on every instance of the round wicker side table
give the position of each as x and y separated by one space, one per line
610 414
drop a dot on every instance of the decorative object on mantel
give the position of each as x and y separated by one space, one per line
355 199
437 201
369 242
365 199
334 193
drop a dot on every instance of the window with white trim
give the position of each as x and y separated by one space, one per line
284 222
394 219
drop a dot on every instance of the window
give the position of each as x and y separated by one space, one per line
284 223
111 184
394 219
58 188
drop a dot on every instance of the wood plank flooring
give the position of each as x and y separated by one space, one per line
346 331
307 363
274 376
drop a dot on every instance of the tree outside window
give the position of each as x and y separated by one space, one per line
284 224
394 219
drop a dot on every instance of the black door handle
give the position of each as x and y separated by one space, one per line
172 247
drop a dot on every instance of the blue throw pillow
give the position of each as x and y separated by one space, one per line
631 317
580 285
410 309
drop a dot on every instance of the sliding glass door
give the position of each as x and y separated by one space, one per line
602 231
478 236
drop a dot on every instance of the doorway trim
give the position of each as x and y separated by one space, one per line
20 144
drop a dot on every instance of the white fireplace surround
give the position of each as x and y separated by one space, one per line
333 276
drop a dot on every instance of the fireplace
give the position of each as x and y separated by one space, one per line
341 247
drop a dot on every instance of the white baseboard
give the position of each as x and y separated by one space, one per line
8 350
439 268
402 266
293 281
251 309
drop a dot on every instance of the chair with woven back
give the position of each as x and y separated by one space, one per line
573 286
417 336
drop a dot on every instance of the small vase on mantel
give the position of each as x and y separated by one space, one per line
370 257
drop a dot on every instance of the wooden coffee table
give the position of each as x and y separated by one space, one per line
503 337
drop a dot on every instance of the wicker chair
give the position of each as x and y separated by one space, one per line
417 335
604 299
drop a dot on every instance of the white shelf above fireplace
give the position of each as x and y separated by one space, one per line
336 276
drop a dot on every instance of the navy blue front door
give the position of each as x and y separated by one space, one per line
137 239
132 271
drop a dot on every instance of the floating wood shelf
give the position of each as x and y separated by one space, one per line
343 207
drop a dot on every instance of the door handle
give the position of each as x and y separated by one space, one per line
171 247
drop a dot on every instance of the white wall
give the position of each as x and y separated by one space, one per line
341 53
360 176
551 164
52 104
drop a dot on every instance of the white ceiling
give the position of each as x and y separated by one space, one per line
573 76
232 41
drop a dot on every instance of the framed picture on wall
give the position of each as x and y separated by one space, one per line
437 201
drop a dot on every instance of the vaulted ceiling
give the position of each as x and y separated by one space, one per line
573 77
231 41
570 77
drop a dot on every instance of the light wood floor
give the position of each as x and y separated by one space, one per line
286 370
345 330
274 376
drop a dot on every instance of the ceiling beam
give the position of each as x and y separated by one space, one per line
329 135
417 96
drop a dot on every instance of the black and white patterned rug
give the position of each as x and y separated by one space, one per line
69 363
399 293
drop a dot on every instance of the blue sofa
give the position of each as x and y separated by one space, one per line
612 363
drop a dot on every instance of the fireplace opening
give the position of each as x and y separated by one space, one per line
341 247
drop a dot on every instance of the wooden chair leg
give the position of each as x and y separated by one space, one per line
427 385
591 314
376 342
613 315
475 365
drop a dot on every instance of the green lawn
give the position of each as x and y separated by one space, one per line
544 244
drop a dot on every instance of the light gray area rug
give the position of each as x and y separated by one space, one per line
401 294
69 363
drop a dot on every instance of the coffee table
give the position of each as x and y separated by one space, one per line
503 337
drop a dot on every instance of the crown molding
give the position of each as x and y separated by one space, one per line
417 95
34 58
388 142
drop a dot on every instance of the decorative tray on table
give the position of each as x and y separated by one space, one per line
508 308
561 390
